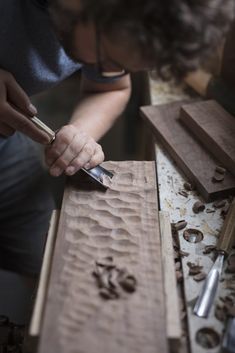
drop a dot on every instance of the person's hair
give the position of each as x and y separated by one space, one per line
175 35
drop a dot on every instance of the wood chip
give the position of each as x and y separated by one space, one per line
193 235
199 277
183 253
128 283
209 210
218 177
198 206
219 204
179 225
188 186
194 269
220 170
220 313
208 249
110 279
225 209
183 193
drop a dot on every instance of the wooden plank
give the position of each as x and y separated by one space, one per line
121 222
36 320
173 322
191 157
214 127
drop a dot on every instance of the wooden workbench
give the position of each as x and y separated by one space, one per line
170 181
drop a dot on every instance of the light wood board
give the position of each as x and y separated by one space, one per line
121 222
214 127
173 324
190 155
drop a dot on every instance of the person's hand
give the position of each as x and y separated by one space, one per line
16 110
72 149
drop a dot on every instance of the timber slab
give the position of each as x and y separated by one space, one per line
214 127
122 223
194 160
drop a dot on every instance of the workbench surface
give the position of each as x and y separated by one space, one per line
170 182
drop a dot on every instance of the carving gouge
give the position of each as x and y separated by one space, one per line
227 236
97 173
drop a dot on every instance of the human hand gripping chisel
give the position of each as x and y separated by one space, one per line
98 173
226 240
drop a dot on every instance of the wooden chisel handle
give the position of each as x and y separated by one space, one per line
227 234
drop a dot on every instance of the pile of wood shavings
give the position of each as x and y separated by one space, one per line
111 280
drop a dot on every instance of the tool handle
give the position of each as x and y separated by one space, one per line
227 234
44 128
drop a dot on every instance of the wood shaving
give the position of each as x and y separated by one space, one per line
112 280
179 225
219 204
209 249
220 170
198 206
200 276
188 186
183 253
183 193
210 210
194 269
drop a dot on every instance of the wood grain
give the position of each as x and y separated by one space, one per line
191 157
173 324
121 222
227 234
214 127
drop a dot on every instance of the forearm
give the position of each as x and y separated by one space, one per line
97 111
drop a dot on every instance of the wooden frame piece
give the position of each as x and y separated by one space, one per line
215 129
197 164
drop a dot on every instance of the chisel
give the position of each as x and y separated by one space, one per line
98 173
226 240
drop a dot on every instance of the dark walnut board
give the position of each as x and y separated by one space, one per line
195 161
214 127
121 222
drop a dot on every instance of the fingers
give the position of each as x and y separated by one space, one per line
16 109
17 96
17 121
71 151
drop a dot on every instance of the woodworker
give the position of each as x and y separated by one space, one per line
42 43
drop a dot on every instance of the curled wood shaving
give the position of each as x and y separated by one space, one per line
112 280
219 204
198 206
188 186
179 225
200 276
194 269
183 193
209 249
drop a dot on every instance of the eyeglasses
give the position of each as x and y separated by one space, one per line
119 72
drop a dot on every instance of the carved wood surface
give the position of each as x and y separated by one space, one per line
214 127
121 222
197 164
